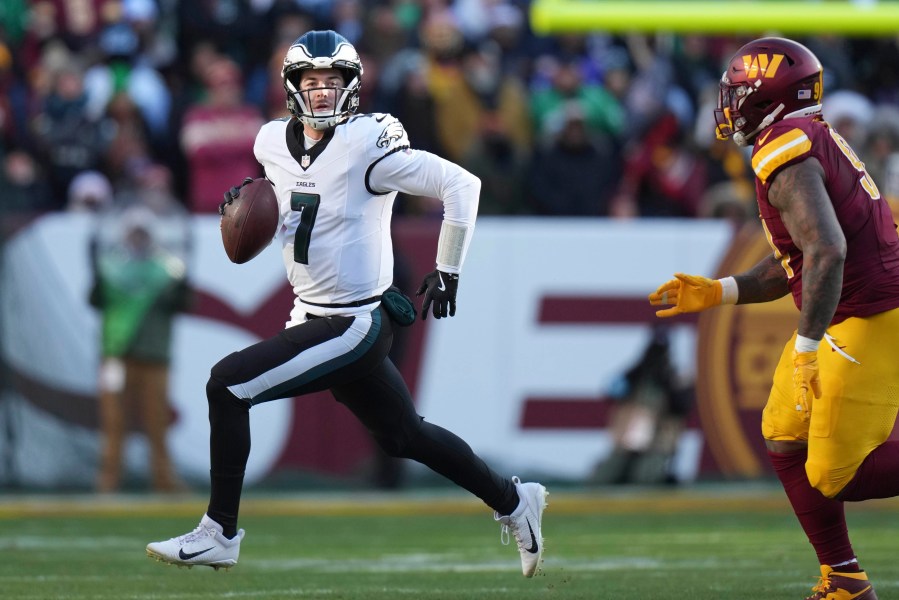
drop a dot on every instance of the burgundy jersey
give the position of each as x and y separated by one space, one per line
871 270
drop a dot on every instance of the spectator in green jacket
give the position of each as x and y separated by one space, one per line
139 288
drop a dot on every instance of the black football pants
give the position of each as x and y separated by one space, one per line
308 358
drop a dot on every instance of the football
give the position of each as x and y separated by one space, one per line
249 222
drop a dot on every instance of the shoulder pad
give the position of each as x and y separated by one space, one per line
393 135
270 135
383 132
777 147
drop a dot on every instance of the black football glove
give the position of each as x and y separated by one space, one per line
439 288
233 193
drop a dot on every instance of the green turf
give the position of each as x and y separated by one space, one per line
598 546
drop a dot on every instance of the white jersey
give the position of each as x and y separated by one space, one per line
336 200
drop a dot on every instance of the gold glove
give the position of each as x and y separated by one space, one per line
688 293
806 382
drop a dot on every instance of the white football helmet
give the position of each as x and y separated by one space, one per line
322 50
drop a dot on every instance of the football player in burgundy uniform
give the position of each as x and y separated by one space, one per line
835 249
336 176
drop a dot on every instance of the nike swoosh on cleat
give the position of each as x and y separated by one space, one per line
189 555
442 286
534 548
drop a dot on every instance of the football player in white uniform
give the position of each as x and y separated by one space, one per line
336 175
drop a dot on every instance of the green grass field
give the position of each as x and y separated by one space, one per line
730 542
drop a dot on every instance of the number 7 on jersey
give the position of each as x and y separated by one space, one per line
307 206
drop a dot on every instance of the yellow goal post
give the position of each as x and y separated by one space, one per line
750 17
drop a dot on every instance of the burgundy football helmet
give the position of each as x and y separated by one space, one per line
767 80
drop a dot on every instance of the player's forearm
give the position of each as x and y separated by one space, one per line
822 284
764 282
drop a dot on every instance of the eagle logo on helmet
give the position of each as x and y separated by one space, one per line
767 80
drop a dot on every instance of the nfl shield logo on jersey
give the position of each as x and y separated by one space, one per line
304 162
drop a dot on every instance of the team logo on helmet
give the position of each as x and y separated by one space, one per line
761 65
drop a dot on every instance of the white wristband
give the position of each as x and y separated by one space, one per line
451 247
729 290
804 344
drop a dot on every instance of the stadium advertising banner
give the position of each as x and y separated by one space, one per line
551 313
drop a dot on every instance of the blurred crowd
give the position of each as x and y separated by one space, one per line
165 97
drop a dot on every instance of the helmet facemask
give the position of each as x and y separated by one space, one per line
729 119
300 101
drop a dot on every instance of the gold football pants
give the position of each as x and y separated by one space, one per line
857 409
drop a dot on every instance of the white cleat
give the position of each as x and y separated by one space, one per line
525 525
206 546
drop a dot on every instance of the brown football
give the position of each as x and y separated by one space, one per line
249 222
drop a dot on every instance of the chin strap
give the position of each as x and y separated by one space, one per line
744 139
